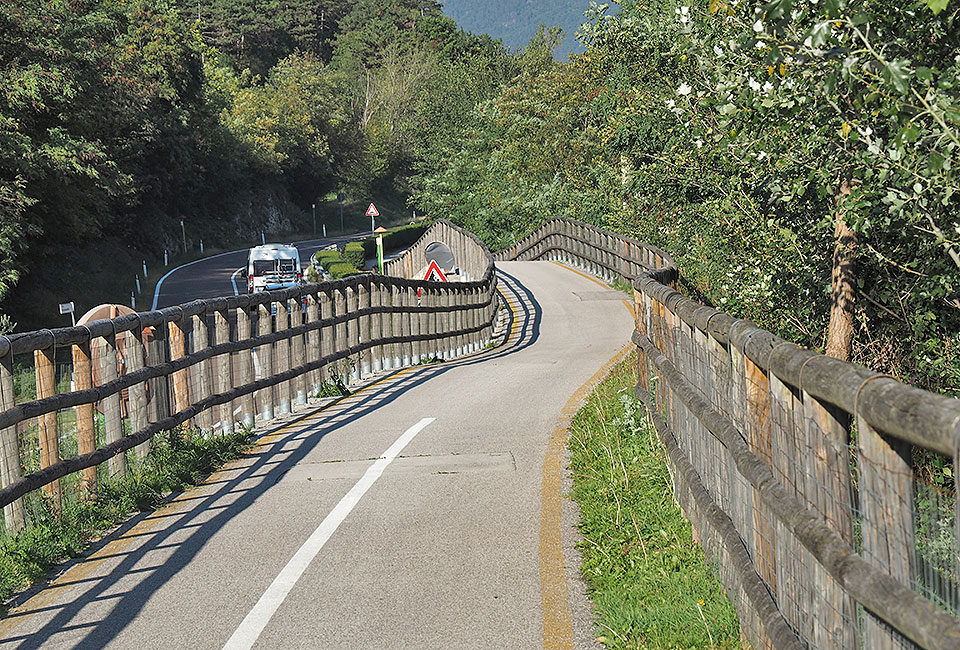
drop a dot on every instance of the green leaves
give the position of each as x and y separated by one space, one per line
897 74
936 6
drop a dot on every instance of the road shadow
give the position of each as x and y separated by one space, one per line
244 486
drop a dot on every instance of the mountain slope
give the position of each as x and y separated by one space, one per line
515 21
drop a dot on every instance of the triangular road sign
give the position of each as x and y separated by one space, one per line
372 211
434 273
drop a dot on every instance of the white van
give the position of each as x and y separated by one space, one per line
273 266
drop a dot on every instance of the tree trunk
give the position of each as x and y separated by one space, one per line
841 327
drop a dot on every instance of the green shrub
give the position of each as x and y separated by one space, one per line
395 238
342 269
326 258
353 254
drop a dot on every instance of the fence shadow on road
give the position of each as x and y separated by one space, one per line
243 485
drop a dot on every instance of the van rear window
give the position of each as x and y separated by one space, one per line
286 266
261 267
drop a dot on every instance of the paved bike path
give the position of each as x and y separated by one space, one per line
441 549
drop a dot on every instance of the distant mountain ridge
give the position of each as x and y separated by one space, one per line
515 21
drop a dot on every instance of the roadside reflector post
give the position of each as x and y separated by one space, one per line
379 233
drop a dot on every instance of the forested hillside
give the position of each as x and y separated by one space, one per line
798 159
120 118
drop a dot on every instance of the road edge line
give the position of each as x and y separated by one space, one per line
555 597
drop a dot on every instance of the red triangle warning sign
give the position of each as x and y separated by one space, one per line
372 211
434 273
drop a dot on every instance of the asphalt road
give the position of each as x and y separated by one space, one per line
409 515
211 277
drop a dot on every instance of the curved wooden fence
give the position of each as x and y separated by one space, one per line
824 492
74 400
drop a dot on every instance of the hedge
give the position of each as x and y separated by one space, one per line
353 254
401 237
342 270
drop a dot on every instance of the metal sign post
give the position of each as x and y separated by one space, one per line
67 308
372 212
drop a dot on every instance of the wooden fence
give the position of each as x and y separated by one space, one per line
81 403
816 486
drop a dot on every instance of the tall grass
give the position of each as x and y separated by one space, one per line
649 581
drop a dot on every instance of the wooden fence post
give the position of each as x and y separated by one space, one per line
396 324
202 376
426 324
86 423
827 434
341 342
264 356
459 345
315 380
376 322
792 560
178 349
887 521
416 347
757 388
449 320
405 347
224 366
353 330
49 439
363 328
327 334
298 354
112 421
136 353
245 367
11 470
281 354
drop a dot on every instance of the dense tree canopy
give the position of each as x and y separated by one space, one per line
120 118
769 147
797 157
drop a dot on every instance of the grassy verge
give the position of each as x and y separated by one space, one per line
649 581
175 462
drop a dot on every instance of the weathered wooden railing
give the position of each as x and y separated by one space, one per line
469 253
807 479
74 400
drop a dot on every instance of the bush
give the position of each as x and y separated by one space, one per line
326 258
396 238
353 254
342 269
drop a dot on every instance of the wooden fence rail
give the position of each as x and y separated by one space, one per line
805 477
74 401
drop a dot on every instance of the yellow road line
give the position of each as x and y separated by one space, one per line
513 310
557 618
